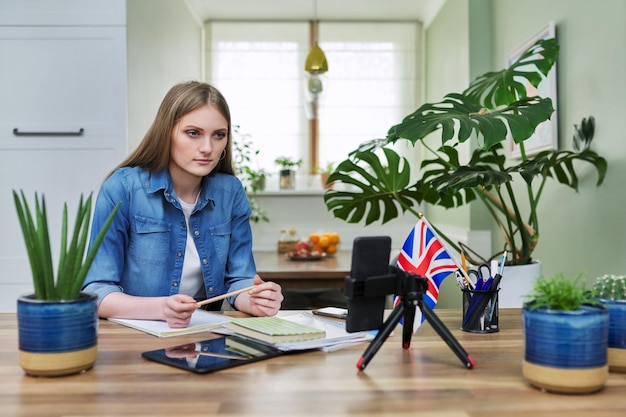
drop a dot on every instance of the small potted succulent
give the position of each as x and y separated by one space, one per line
287 178
565 337
611 290
57 324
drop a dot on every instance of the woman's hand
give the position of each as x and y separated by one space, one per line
177 310
263 300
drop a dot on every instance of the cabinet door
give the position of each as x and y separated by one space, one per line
62 87
62 129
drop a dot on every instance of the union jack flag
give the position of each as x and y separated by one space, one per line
424 254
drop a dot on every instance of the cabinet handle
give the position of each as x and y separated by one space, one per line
80 132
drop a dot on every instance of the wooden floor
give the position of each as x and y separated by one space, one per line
426 380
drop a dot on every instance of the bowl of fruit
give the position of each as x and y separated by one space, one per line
318 246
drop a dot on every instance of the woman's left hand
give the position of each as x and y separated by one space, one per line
263 300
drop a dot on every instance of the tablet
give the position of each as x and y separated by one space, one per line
213 354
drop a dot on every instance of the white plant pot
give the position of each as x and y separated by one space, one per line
517 281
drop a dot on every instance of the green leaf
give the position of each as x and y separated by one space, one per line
459 119
381 190
71 270
501 88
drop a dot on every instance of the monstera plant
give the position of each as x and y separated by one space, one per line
493 107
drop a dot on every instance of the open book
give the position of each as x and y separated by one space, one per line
201 321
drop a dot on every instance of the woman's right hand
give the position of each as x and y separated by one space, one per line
177 310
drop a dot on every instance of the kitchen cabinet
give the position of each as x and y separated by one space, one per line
63 106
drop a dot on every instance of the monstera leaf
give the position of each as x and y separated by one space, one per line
560 166
460 119
500 88
382 189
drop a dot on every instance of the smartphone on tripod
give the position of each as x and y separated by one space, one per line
370 258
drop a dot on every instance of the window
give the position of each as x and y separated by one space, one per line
372 83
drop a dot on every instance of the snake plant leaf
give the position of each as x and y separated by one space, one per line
71 269
381 188
500 88
459 119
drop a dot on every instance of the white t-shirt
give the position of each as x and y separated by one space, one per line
191 282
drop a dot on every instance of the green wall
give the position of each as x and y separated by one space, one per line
579 232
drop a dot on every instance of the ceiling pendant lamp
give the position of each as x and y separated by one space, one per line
315 64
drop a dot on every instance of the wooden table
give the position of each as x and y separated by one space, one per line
426 380
328 272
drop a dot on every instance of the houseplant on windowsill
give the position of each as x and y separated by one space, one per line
611 290
565 337
494 106
325 174
287 174
57 325
253 180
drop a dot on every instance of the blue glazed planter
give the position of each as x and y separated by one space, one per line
617 334
566 351
57 337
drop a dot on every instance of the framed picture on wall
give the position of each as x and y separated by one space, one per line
547 133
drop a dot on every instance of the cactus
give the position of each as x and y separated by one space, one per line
610 287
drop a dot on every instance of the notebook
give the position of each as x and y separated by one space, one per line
201 321
274 329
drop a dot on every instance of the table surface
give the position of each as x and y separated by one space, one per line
328 272
425 380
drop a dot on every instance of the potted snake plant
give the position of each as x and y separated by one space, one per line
57 324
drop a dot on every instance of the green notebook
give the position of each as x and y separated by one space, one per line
274 329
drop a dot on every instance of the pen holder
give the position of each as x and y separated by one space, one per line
480 311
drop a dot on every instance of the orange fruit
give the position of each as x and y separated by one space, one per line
314 238
332 248
324 242
334 238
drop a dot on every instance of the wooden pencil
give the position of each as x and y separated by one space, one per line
221 297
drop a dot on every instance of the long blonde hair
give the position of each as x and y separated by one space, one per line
153 153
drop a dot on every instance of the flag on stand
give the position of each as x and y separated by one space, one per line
424 254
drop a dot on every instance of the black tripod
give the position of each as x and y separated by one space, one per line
411 289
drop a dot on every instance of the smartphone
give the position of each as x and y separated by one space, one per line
334 312
370 258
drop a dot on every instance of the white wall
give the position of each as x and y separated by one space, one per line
165 47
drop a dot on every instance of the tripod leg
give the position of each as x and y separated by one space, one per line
382 335
445 334
407 325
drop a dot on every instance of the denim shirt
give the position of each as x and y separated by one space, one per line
142 253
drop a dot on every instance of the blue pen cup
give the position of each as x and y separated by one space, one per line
480 311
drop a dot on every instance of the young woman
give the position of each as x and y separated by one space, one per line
182 233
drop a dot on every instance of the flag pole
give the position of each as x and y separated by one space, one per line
437 234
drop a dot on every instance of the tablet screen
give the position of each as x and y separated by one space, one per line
213 354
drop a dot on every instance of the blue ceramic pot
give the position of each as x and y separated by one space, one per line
57 337
617 334
566 351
